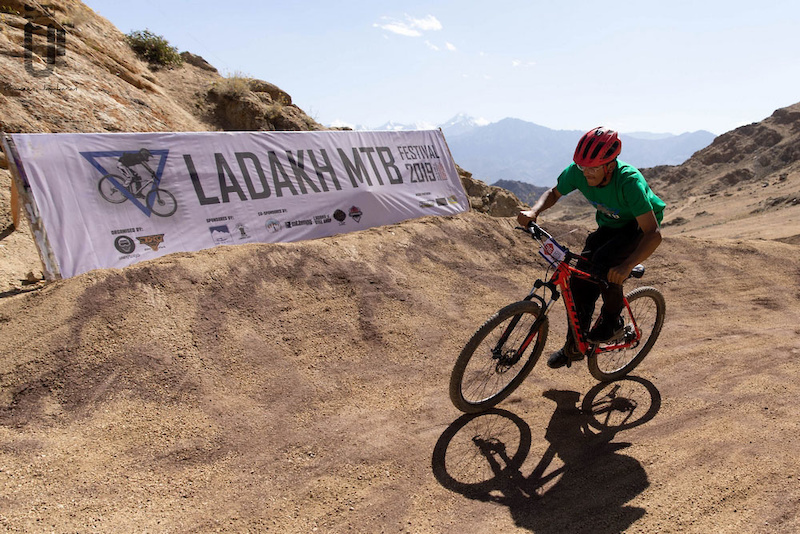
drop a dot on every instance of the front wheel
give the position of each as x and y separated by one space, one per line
498 357
162 202
647 308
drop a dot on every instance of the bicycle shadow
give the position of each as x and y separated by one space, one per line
482 456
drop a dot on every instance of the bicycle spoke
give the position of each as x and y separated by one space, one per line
642 326
492 365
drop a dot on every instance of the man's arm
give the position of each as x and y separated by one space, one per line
649 243
546 201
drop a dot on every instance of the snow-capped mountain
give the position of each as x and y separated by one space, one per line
460 124
392 126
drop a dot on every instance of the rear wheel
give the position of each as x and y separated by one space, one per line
648 308
111 187
498 357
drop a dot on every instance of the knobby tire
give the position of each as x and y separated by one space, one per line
648 308
483 375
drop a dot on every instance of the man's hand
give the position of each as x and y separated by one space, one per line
620 273
524 217
651 238
546 201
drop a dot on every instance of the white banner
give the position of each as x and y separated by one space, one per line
111 200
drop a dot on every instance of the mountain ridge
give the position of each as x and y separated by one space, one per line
521 151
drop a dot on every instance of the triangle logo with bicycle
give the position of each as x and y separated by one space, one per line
126 175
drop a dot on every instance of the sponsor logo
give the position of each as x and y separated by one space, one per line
273 226
220 235
355 213
241 231
322 219
452 199
426 204
548 248
441 201
125 244
152 241
303 222
340 216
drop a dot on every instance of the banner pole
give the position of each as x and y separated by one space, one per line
22 197
14 204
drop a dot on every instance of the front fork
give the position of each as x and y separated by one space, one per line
498 353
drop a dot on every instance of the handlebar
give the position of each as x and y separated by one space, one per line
540 234
535 231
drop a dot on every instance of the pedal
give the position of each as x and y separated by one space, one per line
629 333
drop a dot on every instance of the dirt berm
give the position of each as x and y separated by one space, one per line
303 388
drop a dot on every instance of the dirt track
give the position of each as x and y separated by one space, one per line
303 387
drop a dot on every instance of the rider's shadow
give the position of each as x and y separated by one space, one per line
483 457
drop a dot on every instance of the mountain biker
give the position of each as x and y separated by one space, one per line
628 218
126 162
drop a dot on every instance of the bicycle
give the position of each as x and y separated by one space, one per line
496 359
117 189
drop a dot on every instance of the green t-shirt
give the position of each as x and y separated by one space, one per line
624 198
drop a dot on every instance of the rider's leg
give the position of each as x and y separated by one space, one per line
620 243
584 292
584 295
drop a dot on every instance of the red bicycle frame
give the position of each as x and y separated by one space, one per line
561 280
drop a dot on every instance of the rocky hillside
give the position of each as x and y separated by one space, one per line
745 183
754 154
526 192
99 84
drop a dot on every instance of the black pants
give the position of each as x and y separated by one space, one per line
605 248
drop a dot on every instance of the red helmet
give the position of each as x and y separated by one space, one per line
597 147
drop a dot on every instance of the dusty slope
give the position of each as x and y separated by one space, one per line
303 386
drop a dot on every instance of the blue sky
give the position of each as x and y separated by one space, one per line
635 66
